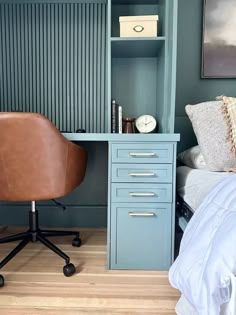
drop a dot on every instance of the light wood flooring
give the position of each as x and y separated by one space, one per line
35 284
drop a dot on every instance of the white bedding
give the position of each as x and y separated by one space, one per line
194 184
207 260
183 307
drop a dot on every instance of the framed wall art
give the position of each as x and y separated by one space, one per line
219 39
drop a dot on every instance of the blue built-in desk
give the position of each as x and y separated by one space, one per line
141 198
122 137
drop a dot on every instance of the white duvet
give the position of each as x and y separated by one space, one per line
207 255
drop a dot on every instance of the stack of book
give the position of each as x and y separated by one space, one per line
116 117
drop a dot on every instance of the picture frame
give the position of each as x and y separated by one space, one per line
218 39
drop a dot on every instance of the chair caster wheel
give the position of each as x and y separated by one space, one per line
69 270
76 242
1 281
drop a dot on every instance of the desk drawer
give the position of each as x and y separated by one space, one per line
142 152
141 236
141 192
151 173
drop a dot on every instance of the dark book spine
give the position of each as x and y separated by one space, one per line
113 116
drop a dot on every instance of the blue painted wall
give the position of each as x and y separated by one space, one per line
190 87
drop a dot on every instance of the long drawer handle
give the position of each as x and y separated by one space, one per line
142 154
142 194
142 214
142 174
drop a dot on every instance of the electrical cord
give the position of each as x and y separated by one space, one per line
60 205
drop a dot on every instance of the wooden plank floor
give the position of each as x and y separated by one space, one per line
35 284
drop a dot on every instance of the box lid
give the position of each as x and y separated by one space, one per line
138 18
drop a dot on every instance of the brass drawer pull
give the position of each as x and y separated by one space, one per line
142 194
142 214
142 154
142 174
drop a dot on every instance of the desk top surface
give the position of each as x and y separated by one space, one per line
165 137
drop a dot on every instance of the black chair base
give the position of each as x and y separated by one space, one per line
35 234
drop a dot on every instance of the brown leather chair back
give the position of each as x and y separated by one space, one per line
36 161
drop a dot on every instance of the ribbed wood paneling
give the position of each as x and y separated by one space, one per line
53 61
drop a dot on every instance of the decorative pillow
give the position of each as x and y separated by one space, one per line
193 158
211 131
229 111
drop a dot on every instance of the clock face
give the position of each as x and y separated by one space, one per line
146 123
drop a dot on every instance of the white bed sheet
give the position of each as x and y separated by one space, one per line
183 307
194 184
205 268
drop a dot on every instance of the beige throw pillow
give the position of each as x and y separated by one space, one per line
210 129
229 111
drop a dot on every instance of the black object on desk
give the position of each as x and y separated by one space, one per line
80 130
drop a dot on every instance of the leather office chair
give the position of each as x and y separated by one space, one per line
37 163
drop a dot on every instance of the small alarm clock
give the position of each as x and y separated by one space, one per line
146 124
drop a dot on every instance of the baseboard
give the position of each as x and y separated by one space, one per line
52 216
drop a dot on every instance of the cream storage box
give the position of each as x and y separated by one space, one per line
138 26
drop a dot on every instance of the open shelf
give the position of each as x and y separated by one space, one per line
127 47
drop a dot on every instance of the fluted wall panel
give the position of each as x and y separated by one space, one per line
53 61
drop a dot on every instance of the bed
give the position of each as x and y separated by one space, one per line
205 268
193 185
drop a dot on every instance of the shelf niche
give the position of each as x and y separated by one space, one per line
143 69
